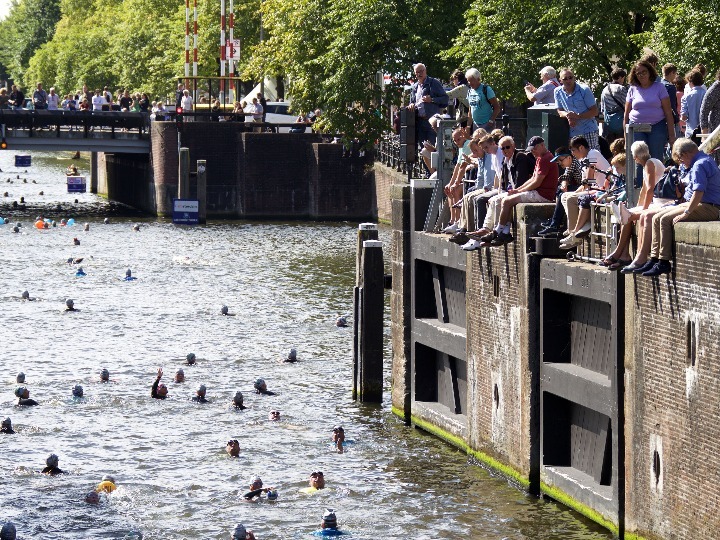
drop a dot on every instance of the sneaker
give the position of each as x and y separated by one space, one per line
584 231
489 237
566 232
659 268
616 212
471 245
570 242
549 231
546 223
502 239
459 238
645 267
629 269
478 235
451 229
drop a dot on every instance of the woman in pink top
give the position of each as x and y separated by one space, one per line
648 102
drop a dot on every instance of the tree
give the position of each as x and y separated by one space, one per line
511 42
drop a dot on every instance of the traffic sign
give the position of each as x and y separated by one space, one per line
232 49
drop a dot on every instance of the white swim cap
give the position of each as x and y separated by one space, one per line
329 518
106 221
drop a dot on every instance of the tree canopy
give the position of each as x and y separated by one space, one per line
332 53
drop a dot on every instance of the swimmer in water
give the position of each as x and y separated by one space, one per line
224 310
233 448
190 359
256 489
92 497
104 375
70 305
71 171
261 388
238 401
341 322
86 227
199 396
77 391
20 378
317 480
241 533
328 525
24 397
6 427
106 485
291 357
159 391
8 531
338 437
129 276
52 466
179 376
26 296
80 272
274 415
76 241
136 228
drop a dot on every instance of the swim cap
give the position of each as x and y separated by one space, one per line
69 302
20 377
78 391
224 310
201 389
128 273
52 460
329 519
16 229
136 228
190 358
272 495
106 221
92 498
239 533
180 372
256 480
341 321
25 295
8 532
108 478
104 374
6 422
20 391
338 428
292 355
238 397
259 383
87 227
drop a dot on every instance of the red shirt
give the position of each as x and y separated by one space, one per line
549 184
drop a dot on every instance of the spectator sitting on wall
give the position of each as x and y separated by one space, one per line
579 147
545 94
540 188
454 188
568 182
576 103
702 203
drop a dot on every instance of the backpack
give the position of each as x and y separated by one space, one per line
668 187
613 121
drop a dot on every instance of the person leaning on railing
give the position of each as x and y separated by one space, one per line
702 203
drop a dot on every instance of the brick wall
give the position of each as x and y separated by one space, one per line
673 407
502 348
385 178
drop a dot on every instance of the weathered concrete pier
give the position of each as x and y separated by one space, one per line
597 389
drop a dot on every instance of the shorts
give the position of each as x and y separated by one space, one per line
531 197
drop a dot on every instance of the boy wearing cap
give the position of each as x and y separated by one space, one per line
569 181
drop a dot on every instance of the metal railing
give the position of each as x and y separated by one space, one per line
387 152
84 121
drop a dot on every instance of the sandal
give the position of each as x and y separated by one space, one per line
607 261
619 264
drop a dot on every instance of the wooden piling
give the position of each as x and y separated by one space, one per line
202 190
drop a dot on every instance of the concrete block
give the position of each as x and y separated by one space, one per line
709 234
687 233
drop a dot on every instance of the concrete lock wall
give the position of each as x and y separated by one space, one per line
249 175
630 389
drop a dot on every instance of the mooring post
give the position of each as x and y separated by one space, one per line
184 174
366 231
202 190
372 295
93 172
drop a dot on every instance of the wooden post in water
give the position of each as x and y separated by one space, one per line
93 172
366 231
184 174
370 336
202 190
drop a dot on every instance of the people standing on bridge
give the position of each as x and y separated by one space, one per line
39 97
107 94
187 103
427 97
17 98
263 103
69 104
144 103
53 100
545 94
179 93
98 101
86 93
4 99
125 101
84 105
257 112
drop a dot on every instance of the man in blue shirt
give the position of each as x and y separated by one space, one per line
691 102
576 103
702 203
427 97
484 106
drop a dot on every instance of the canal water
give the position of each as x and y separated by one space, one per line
284 285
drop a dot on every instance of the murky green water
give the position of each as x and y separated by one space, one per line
285 285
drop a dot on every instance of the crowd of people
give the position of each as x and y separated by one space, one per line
491 176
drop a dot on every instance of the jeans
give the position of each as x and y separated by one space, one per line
425 132
656 140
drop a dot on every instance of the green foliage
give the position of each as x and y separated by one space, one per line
686 33
511 42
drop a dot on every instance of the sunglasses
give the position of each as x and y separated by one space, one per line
316 474
506 147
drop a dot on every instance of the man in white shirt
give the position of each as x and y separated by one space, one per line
98 101
545 94
53 100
